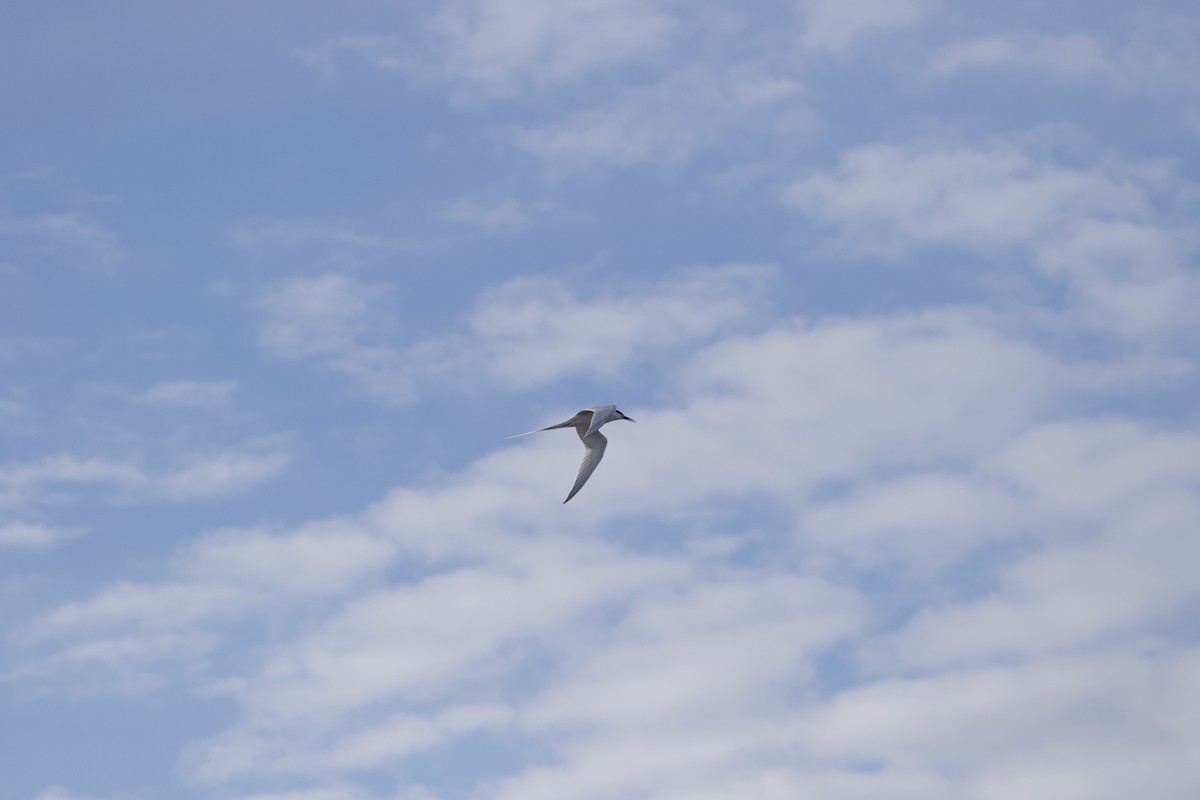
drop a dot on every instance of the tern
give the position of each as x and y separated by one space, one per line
587 424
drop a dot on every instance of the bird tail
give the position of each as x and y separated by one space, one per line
566 424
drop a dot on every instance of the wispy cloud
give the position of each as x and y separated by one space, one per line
223 473
670 122
323 793
189 394
896 196
341 322
320 316
223 575
301 233
58 793
1033 710
149 607
32 536
319 558
933 430
487 50
531 331
205 475
1066 56
697 656
399 736
1096 227
507 215
124 653
19 481
687 104
1117 522
523 334
15 417
1153 60
909 511
506 47
509 601
68 238
835 26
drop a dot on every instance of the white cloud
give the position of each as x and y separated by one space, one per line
63 237
507 47
1033 727
124 652
385 647
395 649
507 215
309 233
1090 469
15 418
534 330
890 393
32 536
394 738
323 793
683 102
190 394
1137 278
58 793
146 606
21 481
340 321
319 558
640 763
201 476
319 316
223 473
140 630
699 659
670 122
226 574
1115 502
953 385
1065 56
1071 590
888 197
1157 60
684 689
943 552
1096 228
470 606
921 522
402 735
835 26
523 334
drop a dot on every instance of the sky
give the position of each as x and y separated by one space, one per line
904 296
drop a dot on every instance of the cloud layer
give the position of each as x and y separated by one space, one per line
901 294
654 631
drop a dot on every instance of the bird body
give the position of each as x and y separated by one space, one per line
587 424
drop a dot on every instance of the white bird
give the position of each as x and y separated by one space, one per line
587 424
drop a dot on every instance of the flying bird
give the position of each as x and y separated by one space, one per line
587 424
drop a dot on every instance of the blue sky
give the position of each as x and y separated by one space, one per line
902 293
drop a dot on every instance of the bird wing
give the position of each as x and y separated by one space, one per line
600 415
594 444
